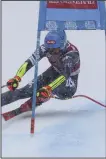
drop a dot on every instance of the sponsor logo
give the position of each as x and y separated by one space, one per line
85 4
50 42
51 25
89 24
70 25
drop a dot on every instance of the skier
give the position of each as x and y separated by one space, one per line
65 61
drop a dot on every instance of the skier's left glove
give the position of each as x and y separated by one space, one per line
44 94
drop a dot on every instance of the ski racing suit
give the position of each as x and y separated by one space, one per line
66 63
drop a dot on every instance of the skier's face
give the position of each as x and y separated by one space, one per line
54 50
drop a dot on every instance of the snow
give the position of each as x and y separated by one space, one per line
72 128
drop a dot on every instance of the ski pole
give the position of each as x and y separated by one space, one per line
3 86
84 97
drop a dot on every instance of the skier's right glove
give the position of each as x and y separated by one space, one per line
13 83
44 94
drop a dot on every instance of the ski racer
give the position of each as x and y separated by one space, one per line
65 64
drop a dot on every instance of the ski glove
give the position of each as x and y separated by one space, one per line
13 83
44 94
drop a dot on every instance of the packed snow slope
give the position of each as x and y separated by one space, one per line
72 128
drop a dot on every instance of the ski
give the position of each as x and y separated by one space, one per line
27 106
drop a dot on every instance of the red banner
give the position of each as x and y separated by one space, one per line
86 4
